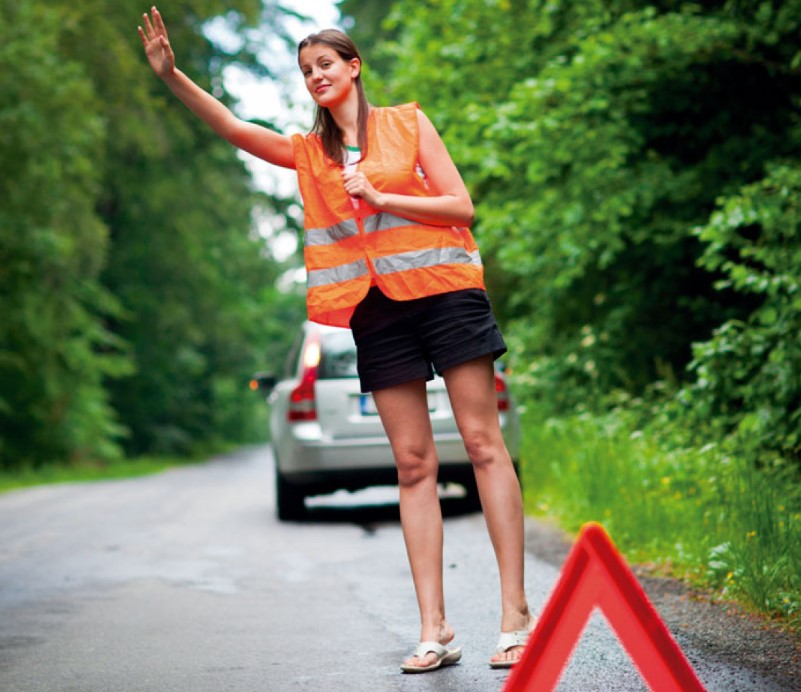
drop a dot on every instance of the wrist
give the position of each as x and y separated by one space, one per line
380 200
169 77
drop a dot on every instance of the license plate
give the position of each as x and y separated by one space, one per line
367 405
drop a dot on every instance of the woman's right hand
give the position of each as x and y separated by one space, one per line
157 45
255 139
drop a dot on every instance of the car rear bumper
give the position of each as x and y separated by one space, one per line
324 466
322 482
309 454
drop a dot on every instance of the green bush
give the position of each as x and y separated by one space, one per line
748 375
706 513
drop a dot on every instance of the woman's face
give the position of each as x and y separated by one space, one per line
329 78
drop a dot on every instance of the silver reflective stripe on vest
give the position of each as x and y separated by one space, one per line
419 259
332 234
385 221
335 275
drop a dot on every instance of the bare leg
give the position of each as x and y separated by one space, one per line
404 413
471 387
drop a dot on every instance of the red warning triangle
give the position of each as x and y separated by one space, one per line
595 575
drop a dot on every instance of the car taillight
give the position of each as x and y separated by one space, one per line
302 405
502 391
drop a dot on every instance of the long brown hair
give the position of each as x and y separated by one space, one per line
324 124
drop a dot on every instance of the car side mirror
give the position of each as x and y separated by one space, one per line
263 382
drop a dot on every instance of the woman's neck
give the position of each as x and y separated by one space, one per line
346 116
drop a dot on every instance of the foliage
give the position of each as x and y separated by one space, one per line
365 22
82 471
55 349
748 375
595 137
708 514
140 296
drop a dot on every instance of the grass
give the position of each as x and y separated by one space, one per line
705 515
247 428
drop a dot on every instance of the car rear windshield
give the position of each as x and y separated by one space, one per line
337 357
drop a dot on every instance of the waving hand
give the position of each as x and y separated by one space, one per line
255 139
157 45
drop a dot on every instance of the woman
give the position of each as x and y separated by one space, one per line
389 254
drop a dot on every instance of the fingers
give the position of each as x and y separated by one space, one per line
159 22
352 183
353 177
154 29
355 181
148 28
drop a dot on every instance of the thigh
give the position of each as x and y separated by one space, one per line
404 413
471 389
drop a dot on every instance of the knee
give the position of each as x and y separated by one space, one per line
415 466
482 448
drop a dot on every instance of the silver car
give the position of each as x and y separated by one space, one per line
326 435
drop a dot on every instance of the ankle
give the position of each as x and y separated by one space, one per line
515 618
438 631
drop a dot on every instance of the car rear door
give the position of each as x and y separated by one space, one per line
342 410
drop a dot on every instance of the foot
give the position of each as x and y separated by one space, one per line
512 642
444 635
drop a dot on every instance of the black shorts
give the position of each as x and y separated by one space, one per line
398 341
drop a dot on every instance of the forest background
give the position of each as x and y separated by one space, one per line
636 169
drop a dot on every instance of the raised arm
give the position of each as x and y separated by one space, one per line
255 139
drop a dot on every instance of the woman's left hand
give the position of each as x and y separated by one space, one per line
357 185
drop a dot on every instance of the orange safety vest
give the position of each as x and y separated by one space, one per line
348 248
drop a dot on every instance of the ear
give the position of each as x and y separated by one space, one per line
355 67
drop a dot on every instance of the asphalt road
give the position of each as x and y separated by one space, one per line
185 581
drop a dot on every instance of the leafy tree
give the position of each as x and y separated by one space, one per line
365 22
595 137
748 375
133 273
55 350
192 277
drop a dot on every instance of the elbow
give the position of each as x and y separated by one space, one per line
469 213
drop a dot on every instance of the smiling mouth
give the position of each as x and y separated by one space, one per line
321 88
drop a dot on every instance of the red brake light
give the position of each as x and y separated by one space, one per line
302 405
502 392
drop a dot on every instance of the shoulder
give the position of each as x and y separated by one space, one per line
308 151
403 111
306 144
308 140
407 116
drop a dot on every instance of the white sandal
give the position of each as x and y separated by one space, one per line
508 640
445 657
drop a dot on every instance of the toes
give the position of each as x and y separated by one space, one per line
514 654
426 662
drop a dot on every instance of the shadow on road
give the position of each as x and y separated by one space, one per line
365 514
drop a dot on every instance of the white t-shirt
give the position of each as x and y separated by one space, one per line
353 157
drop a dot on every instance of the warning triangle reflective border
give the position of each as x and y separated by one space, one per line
595 575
